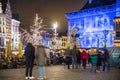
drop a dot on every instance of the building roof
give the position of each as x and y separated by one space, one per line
15 16
98 3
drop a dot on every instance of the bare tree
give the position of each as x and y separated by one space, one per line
35 34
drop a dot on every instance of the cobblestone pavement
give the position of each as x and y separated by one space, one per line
60 72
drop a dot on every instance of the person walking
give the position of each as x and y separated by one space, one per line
29 56
40 55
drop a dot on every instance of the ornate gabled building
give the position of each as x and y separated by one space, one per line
15 34
5 22
95 22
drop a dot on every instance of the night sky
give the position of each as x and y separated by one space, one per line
50 10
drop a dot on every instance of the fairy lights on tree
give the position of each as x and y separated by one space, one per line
35 34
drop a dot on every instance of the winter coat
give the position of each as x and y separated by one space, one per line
74 52
84 55
29 52
106 54
78 55
40 55
94 59
68 58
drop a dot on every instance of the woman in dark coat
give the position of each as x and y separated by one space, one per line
29 56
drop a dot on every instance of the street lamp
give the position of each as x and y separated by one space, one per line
55 25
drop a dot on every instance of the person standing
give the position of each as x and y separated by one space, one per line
74 56
51 57
78 65
100 60
106 62
41 57
119 61
94 59
84 57
29 56
47 51
68 57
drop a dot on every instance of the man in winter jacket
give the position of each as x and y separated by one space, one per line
41 57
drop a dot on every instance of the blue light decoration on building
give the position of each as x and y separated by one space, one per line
118 8
95 23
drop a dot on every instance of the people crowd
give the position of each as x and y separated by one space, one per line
98 58
42 56
73 58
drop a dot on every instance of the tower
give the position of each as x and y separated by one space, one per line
1 7
118 8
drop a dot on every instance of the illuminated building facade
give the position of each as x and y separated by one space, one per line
64 40
5 23
61 42
95 23
15 34
55 43
58 43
